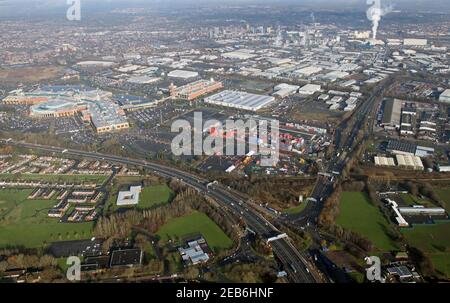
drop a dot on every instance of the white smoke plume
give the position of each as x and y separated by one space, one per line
375 13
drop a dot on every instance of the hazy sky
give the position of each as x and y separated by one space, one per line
27 6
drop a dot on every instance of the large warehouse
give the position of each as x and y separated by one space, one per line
182 74
240 100
392 114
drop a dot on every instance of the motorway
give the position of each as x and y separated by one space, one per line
324 187
294 263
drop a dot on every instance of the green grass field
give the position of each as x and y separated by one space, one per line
25 223
444 194
196 223
433 240
151 196
359 215
155 196
441 263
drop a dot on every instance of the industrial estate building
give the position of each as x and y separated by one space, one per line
445 96
392 114
409 162
403 161
384 161
405 216
182 74
408 149
242 54
415 42
194 90
240 100
398 216
309 89
284 90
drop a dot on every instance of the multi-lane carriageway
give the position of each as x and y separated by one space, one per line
294 263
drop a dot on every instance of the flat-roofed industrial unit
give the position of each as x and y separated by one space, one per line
334 75
96 64
392 113
126 257
240 100
182 74
143 79
283 90
420 210
401 148
242 54
309 89
422 151
384 161
415 42
412 162
308 71
445 96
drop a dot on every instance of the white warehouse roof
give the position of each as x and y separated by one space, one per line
310 89
241 100
183 74
410 161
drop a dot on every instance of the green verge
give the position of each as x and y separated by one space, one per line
296 210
